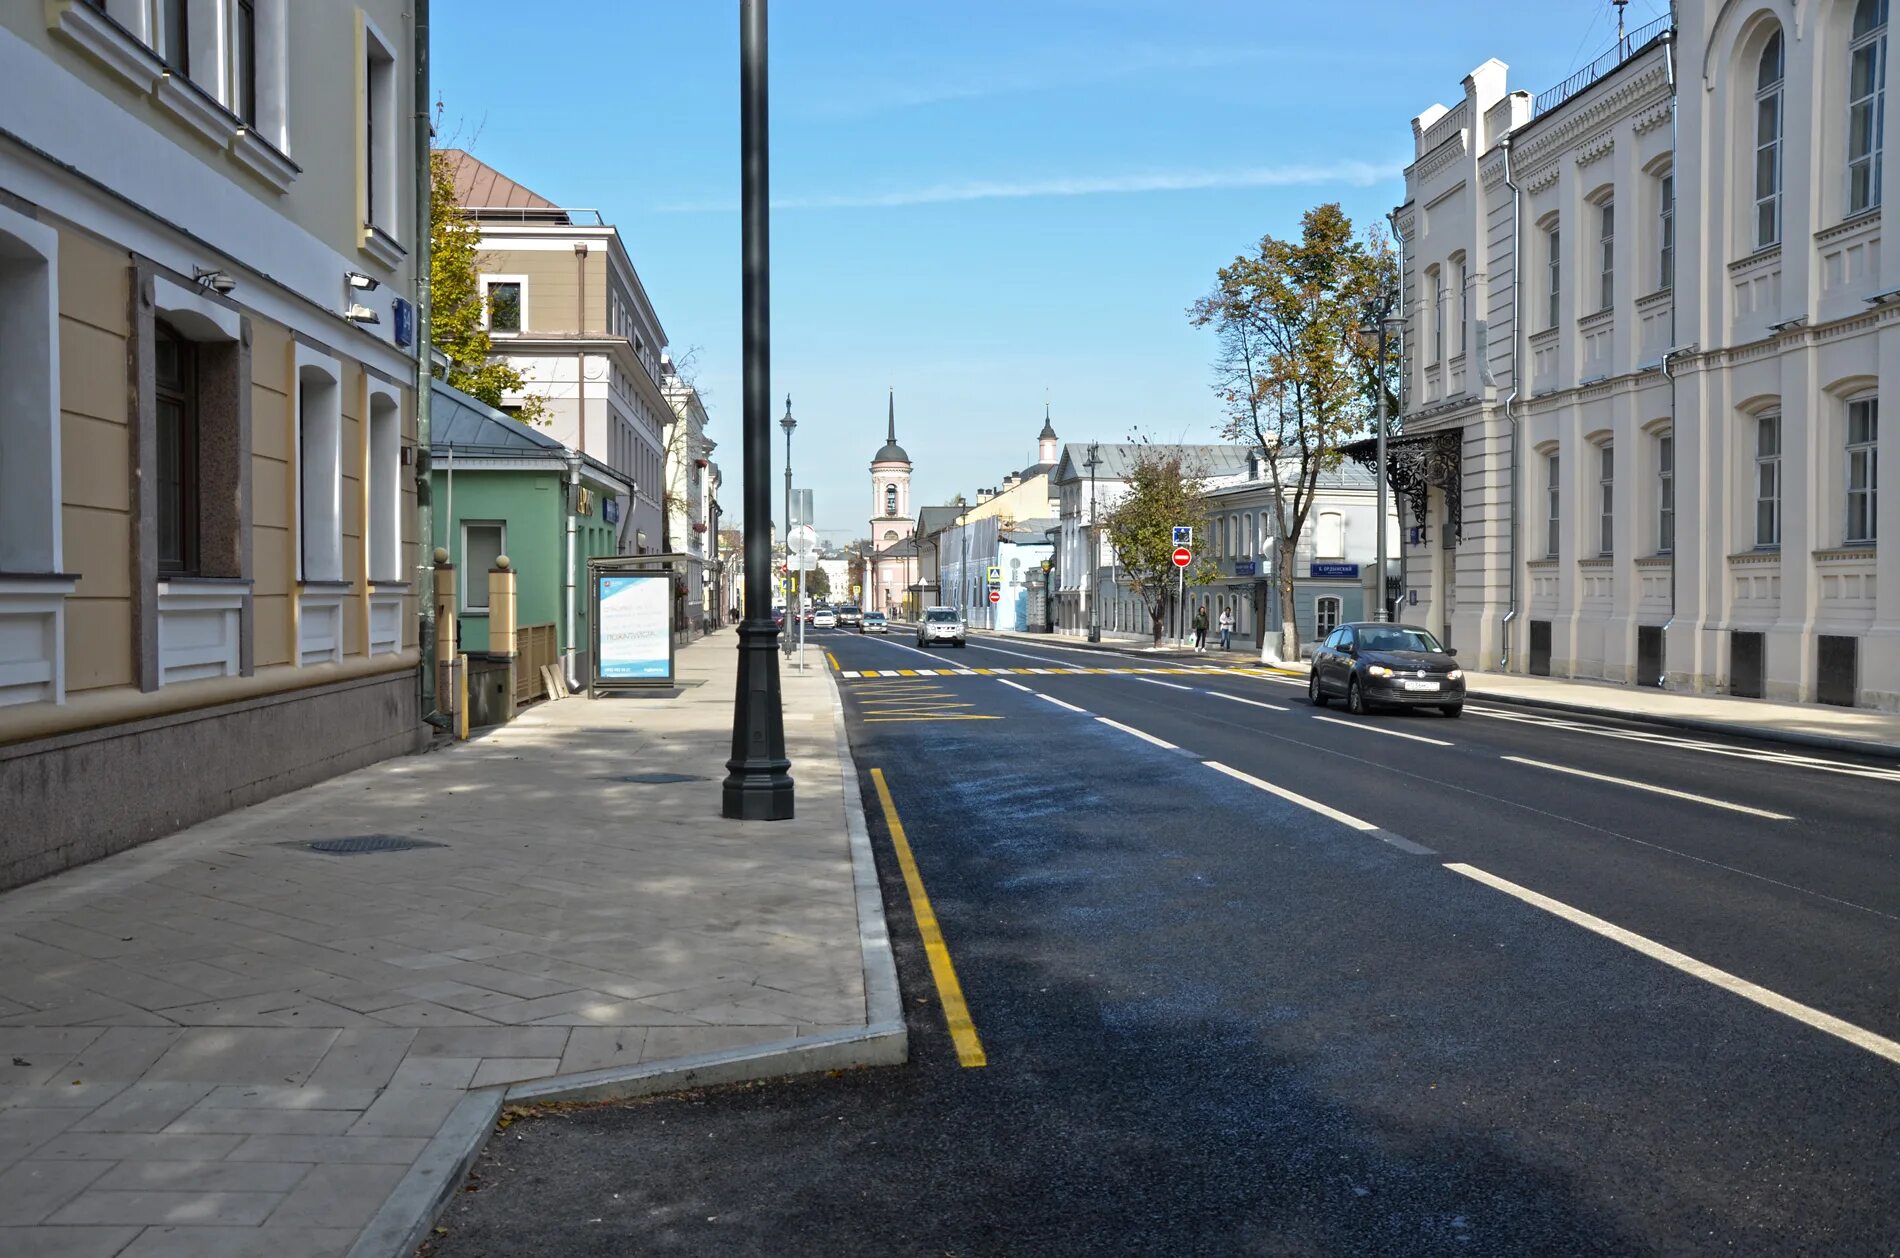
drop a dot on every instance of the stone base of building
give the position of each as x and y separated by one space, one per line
77 797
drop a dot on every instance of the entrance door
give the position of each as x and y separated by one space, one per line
1262 597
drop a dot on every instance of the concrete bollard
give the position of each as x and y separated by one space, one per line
447 632
501 623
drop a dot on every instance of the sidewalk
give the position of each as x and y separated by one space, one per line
1859 730
225 1043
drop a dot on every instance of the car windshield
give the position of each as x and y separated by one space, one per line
941 617
874 615
1397 638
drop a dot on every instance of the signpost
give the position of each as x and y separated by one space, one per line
996 596
1183 556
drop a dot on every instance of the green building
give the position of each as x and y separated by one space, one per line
502 487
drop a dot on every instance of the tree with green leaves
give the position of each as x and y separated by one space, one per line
1295 379
458 324
817 584
1164 491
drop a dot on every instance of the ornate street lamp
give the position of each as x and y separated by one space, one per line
1089 567
786 425
1377 326
758 785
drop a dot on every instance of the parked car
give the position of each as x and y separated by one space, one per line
824 618
874 622
1372 664
778 617
849 617
941 624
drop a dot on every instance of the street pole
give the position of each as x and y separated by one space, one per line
758 785
787 424
1385 601
1088 589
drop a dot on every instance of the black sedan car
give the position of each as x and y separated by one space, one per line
1372 664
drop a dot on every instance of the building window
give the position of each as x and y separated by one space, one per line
29 420
385 488
1665 493
1606 500
1768 480
1438 315
1553 517
320 473
1666 235
1325 617
1329 539
1863 469
175 39
1553 245
1246 536
176 362
890 500
244 61
1606 246
381 195
483 542
1768 76
1464 307
504 305
1866 105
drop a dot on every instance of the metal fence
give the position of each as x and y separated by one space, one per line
1632 44
535 645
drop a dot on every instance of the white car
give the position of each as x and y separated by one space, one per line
940 624
824 618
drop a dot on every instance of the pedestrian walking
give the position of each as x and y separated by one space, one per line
1226 629
1200 629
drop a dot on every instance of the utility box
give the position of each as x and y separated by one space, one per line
490 690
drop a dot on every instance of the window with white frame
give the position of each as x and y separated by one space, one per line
1606 499
174 35
1665 493
1769 71
1666 233
1863 470
1438 314
1553 256
1606 254
1246 536
1553 501
385 488
381 116
1329 536
175 385
1866 105
319 473
483 542
29 377
1464 306
1325 617
502 302
1768 479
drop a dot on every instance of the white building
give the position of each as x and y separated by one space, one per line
688 502
1670 312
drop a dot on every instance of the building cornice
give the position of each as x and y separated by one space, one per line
1596 148
1590 110
1444 155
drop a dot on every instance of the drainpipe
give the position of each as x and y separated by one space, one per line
425 371
580 329
569 501
1510 401
1668 358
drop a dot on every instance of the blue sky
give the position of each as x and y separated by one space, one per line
976 202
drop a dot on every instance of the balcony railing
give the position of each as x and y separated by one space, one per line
1632 44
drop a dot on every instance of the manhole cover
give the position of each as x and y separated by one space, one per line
659 778
366 844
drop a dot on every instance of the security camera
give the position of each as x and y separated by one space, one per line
222 283
217 281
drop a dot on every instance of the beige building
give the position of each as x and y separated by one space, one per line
567 309
207 538
689 493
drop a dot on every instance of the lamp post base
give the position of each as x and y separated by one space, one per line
758 784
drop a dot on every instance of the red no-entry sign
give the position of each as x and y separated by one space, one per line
1183 556
996 596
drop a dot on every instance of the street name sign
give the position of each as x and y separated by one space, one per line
1183 535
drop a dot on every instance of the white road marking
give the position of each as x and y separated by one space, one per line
1380 729
1650 787
1876 1044
1060 704
1344 819
1252 703
1141 734
1169 684
1792 759
1016 685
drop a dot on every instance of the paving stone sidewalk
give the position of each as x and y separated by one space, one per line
225 1043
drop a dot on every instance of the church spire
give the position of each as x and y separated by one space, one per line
892 437
892 452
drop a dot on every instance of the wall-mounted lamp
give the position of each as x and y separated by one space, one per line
362 282
213 279
1881 299
1786 324
359 313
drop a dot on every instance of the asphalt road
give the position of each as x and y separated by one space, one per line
1254 977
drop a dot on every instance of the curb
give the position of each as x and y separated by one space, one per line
404 1220
1058 641
1700 725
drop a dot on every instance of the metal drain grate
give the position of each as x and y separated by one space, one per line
656 779
366 844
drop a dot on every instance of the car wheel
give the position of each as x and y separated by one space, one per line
1453 709
1355 698
1314 695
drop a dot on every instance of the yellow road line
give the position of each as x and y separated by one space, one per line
834 662
955 1012
906 672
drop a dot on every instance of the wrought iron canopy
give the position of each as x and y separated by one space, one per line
1418 462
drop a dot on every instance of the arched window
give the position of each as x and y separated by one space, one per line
1768 81
1325 617
1329 540
890 500
1866 104
890 535
1246 536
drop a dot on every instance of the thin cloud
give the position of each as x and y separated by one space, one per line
1355 174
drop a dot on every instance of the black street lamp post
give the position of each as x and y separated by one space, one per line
1089 566
1377 328
786 425
758 784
